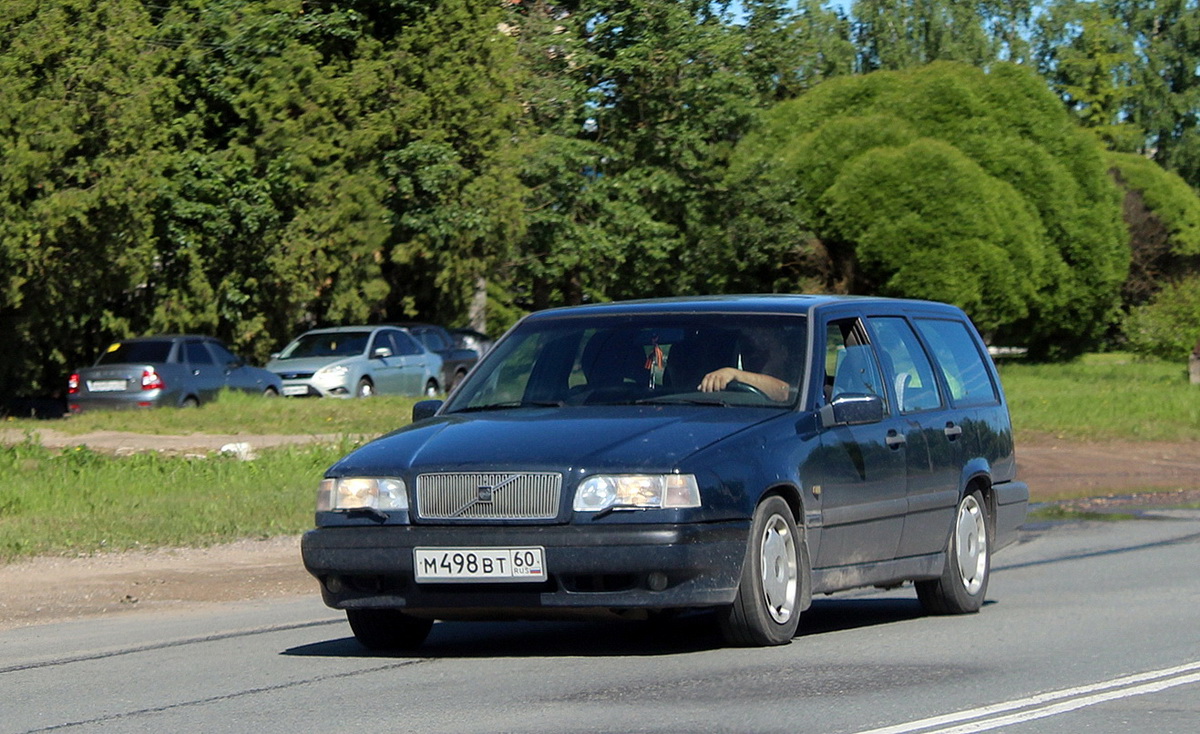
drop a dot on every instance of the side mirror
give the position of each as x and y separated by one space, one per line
381 353
852 410
425 409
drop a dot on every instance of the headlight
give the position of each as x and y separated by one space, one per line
349 493
636 491
334 370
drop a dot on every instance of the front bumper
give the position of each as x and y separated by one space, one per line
593 568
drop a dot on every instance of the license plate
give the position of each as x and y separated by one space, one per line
442 565
106 385
295 389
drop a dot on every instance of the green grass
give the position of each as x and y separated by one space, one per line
79 501
237 413
1103 397
1057 513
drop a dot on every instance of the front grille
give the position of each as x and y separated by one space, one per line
295 375
488 496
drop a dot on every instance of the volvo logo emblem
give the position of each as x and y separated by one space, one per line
484 493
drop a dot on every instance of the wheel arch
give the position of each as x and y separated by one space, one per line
791 495
982 483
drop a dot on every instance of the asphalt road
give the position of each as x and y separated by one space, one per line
1089 627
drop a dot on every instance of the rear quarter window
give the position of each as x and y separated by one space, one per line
960 361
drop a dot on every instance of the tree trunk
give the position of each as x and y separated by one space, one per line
1194 365
477 311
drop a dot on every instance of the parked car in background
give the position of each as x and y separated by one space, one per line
456 361
172 370
357 361
471 339
739 454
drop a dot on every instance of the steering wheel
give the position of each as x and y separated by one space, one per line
739 386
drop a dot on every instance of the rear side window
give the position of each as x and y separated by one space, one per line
197 354
961 363
906 364
136 353
405 344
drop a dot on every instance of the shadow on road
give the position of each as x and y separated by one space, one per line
679 635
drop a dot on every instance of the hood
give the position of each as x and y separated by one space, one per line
607 438
305 364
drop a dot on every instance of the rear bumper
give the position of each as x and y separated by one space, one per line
613 567
1012 502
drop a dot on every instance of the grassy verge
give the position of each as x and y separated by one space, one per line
1103 397
80 501
237 413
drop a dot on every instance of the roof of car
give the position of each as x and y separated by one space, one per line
342 329
751 303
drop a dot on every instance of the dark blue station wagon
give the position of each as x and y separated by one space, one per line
734 454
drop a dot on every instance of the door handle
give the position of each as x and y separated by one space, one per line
894 440
952 431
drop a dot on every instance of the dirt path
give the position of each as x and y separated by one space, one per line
43 590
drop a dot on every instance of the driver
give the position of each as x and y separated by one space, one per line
757 348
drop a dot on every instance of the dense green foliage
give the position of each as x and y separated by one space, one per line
948 183
1168 326
249 169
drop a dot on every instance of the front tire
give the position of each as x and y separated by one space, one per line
766 610
365 388
964 582
387 629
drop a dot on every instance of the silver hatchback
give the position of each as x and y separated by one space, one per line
357 361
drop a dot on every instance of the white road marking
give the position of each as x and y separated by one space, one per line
1049 704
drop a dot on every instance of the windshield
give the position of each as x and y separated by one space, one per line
331 344
644 358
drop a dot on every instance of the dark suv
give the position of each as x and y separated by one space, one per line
733 454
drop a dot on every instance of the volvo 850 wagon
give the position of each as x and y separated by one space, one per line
733 455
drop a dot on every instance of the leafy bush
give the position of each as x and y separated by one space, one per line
1168 327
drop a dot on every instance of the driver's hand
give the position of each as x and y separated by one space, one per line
717 380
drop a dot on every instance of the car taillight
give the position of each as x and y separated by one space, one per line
73 383
151 380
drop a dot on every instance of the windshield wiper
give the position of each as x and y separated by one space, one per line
676 399
511 405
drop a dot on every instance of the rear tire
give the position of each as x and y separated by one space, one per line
767 608
270 392
964 582
191 401
387 629
431 389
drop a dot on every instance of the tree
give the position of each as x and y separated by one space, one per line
1088 57
87 104
950 183
900 34
1162 214
455 194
